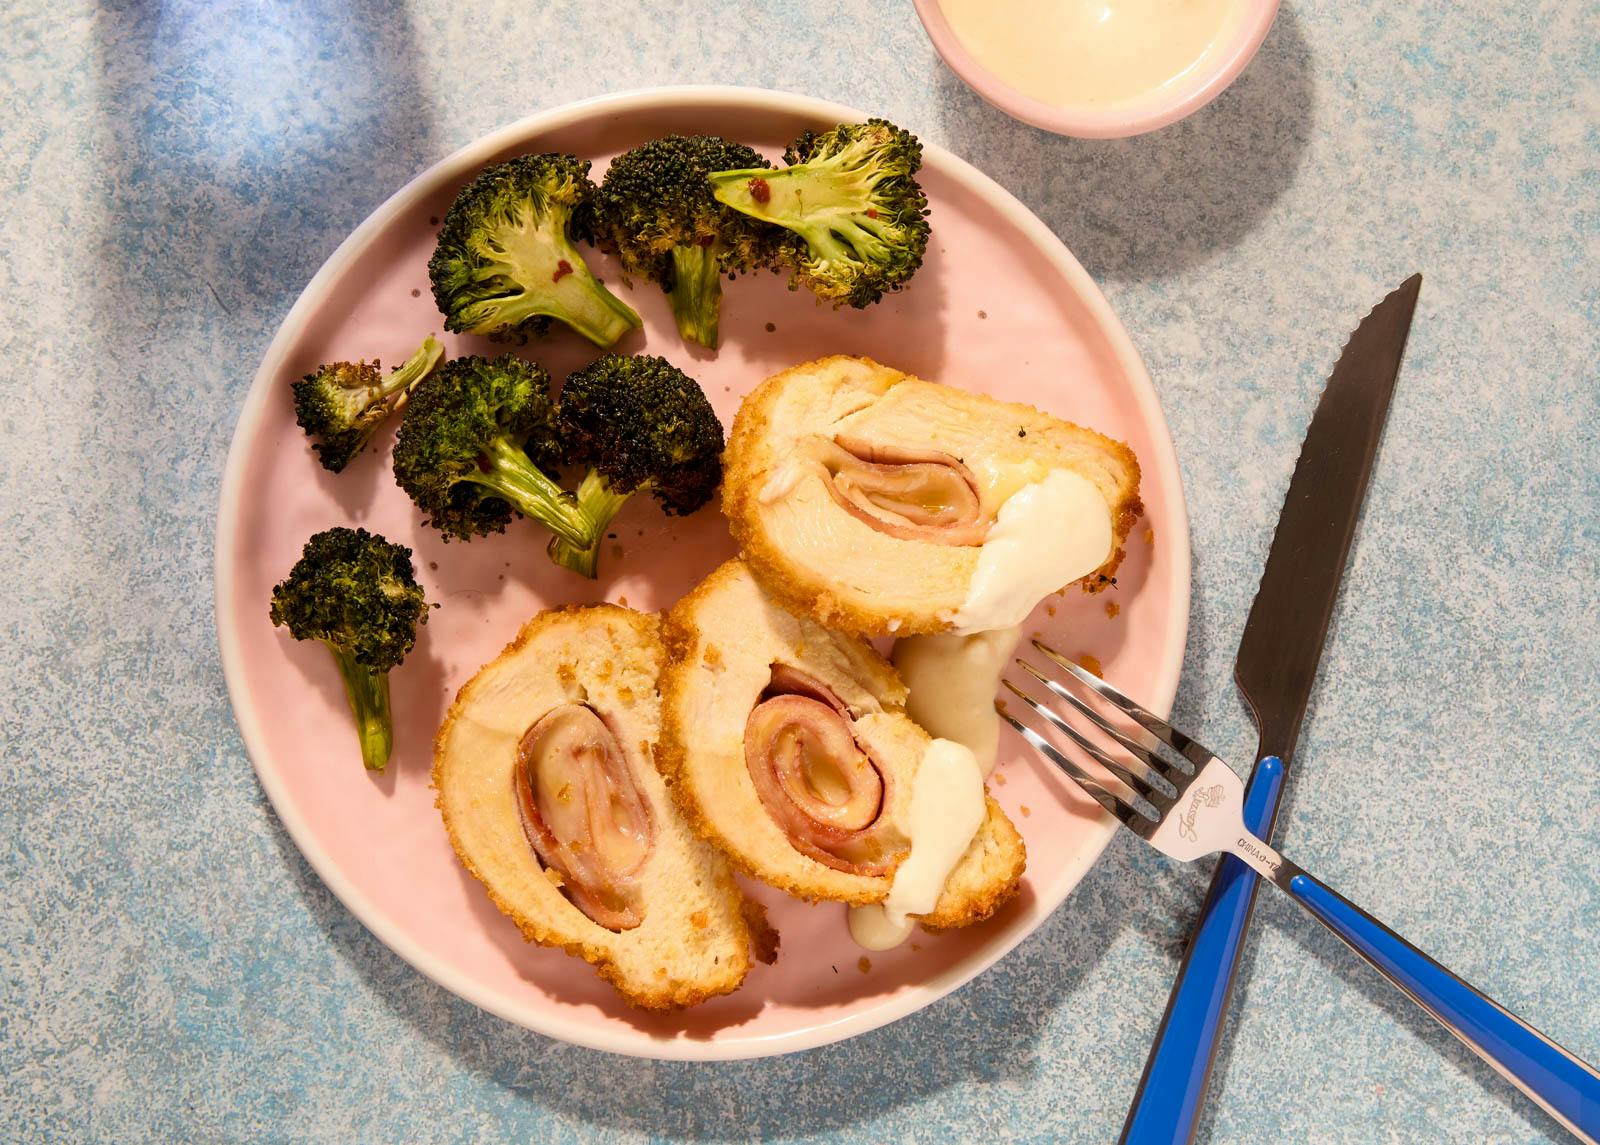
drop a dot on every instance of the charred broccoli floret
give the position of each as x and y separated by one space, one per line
358 594
507 260
344 403
474 447
637 423
851 200
656 213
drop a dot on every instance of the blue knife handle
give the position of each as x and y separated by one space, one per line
1566 1087
1166 1108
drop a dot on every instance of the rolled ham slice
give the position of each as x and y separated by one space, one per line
814 777
912 495
582 813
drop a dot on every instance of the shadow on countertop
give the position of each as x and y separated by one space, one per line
988 1032
1156 204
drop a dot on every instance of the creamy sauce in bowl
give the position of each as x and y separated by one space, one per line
1093 53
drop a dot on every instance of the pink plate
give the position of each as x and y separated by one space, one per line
1000 307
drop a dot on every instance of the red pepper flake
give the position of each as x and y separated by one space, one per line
563 268
872 212
760 191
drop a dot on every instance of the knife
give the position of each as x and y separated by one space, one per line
1274 671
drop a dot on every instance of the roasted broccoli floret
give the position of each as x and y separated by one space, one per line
852 203
637 423
474 447
507 260
357 593
344 403
656 213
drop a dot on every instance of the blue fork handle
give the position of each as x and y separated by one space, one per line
1567 1088
1166 1107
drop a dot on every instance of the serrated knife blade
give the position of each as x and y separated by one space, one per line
1288 622
1275 670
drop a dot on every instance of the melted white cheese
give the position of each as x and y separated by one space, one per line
952 679
947 808
1046 535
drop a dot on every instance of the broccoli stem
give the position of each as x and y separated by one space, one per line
600 503
573 294
506 469
809 198
368 693
582 302
696 294
415 368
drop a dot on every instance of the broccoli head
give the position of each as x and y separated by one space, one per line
344 403
851 201
471 447
656 213
507 260
638 423
358 594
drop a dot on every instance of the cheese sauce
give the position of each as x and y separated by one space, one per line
947 808
1046 535
952 678
1077 53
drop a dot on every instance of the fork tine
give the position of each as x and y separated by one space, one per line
1196 753
1115 804
1144 785
1165 772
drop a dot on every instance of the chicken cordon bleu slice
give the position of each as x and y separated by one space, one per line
883 504
788 746
549 793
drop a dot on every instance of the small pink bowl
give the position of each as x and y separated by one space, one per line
1134 117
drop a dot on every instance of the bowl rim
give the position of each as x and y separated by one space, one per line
1135 117
251 719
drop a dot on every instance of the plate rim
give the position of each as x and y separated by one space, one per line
475 154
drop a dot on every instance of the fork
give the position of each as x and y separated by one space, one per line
1190 805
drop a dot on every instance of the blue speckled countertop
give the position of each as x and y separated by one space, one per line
172 175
